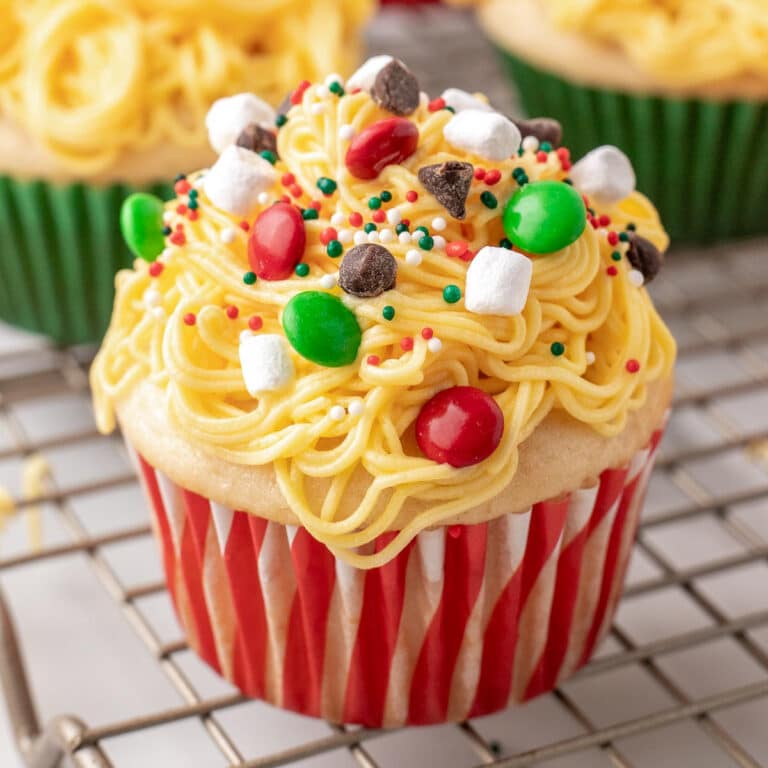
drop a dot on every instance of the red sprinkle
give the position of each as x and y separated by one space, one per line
156 268
468 255
178 237
328 234
288 179
436 104
244 225
355 219
541 156
604 220
612 271
181 187
457 248
563 153
190 319
613 238
179 226
193 214
566 165
379 216
633 366
480 173
374 360
296 190
297 95
493 177
407 343
255 323
427 333
593 221
232 311
411 195
285 198
316 204
406 222
181 209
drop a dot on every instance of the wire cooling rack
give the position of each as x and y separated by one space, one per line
95 672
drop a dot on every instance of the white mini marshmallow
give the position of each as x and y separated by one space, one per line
461 101
266 362
498 281
486 134
365 77
605 174
227 117
236 180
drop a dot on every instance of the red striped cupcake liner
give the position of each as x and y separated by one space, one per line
465 621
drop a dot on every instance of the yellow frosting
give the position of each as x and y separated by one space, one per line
91 79
573 299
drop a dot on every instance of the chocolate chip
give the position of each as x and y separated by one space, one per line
543 128
396 89
367 270
257 139
644 256
449 182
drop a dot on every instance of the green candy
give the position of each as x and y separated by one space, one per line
544 217
141 222
321 329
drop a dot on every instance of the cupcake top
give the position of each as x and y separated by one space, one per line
91 81
382 302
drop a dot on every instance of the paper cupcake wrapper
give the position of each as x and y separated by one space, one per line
465 621
704 164
60 247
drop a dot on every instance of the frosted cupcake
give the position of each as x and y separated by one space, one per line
680 86
394 394
100 97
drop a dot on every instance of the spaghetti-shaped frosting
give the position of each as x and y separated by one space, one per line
179 330
92 79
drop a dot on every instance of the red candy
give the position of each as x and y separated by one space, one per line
387 142
460 426
277 241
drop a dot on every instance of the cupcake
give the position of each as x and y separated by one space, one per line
394 396
682 88
98 98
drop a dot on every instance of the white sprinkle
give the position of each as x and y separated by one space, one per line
394 216
439 224
338 219
416 236
346 132
334 77
228 235
530 144
434 344
317 108
373 237
152 298
337 413
636 278
345 235
167 217
167 254
404 237
361 236
413 258
158 313
386 236
321 91
590 358
602 233
439 241
328 281
356 407
263 198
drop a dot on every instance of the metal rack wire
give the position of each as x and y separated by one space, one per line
713 473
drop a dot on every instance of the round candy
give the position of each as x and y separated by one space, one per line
459 426
384 143
141 222
277 241
321 329
544 217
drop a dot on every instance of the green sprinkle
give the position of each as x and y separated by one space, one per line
557 348
423 229
180 177
616 256
269 156
449 109
334 249
302 270
624 237
326 186
374 203
370 227
335 87
520 152
281 120
193 193
386 196
569 182
451 293
489 200
166 231
309 214
193 205
545 146
426 243
249 278
505 242
518 172
400 228
631 227
388 312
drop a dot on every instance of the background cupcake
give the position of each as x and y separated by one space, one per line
682 87
98 98
394 393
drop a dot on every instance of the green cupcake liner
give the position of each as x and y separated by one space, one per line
60 247
704 164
